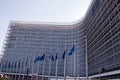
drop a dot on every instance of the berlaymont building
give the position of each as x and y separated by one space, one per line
94 43
28 40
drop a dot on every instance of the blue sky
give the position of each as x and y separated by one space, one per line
40 10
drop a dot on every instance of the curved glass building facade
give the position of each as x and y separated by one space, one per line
102 28
28 40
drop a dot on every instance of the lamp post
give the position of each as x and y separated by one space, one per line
49 70
27 74
74 62
33 65
65 61
86 58
57 63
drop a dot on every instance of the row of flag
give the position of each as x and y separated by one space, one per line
41 58
14 64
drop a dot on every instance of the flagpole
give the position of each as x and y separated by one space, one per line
16 69
9 66
12 68
24 67
20 71
33 67
75 63
8 70
1 66
65 68
37 70
65 61
43 69
86 58
6 67
74 66
56 68
49 69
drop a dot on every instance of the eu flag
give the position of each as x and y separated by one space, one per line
15 64
56 57
26 62
22 63
9 65
51 57
12 65
72 50
42 57
19 64
63 56
37 59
